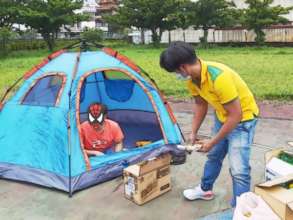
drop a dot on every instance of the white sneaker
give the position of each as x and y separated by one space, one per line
198 193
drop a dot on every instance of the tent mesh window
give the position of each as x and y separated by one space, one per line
45 91
118 81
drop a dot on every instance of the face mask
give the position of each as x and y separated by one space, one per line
96 115
182 78
99 119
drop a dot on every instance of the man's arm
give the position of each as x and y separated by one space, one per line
94 153
119 147
118 137
234 116
200 111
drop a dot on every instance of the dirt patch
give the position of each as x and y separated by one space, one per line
268 109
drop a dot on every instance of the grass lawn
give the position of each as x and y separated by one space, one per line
267 71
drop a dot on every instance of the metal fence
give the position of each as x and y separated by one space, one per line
274 34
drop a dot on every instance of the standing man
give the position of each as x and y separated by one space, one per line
235 117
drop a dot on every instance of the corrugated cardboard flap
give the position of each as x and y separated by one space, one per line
133 169
290 205
277 181
148 165
154 163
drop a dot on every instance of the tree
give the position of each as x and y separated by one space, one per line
180 18
9 12
184 16
92 35
153 15
113 27
213 13
260 14
5 36
48 16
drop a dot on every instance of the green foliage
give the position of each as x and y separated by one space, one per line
5 36
260 14
184 15
154 15
213 13
181 18
10 12
47 17
92 35
113 26
32 45
18 45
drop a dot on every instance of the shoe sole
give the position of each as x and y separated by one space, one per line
201 198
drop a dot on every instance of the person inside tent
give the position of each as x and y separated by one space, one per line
100 135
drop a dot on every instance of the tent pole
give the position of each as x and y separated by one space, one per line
69 148
69 125
8 90
83 45
69 165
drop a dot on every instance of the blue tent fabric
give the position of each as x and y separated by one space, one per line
119 90
45 92
34 136
39 142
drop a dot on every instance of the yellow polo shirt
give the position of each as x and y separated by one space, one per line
219 85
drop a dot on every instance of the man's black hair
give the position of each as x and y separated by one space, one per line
176 54
103 107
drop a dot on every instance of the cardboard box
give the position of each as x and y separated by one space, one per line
275 167
278 197
147 180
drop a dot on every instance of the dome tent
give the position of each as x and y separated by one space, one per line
40 123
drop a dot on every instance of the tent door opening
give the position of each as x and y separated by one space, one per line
127 102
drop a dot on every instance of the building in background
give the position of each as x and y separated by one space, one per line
105 7
95 9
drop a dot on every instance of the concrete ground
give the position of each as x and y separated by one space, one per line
106 201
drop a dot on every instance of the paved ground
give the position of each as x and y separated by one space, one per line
22 201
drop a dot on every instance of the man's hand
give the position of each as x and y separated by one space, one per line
94 153
192 138
206 145
119 147
98 153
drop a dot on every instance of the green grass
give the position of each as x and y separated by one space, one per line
267 71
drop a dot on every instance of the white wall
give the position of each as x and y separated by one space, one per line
218 36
